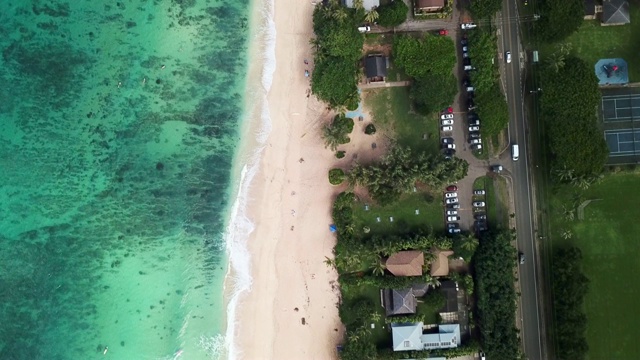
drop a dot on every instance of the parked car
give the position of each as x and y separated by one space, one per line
521 257
476 147
464 41
448 110
453 206
466 61
447 140
452 188
468 68
474 135
480 217
452 212
471 104
364 28
446 122
443 32
454 231
482 355
476 141
497 168
474 122
466 82
479 192
452 225
465 48
474 128
480 226
472 116
447 128
450 146
508 57
465 55
470 89
446 116
478 204
451 195
453 218
468 26
451 201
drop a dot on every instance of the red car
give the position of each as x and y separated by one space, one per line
443 32
449 110
452 188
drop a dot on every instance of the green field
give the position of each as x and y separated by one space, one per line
393 113
593 42
404 215
380 333
609 237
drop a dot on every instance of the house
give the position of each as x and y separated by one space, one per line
402 301
368 5
406 263
615 12
440 265
589 9
375 67
409 336
449 312
428 6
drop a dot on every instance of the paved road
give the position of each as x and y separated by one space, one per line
529 273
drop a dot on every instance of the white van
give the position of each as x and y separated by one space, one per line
515 152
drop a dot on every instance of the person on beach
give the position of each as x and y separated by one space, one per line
306 62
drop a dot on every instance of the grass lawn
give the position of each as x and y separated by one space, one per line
593 42
431 315
431 215
393 113
608 237
381 334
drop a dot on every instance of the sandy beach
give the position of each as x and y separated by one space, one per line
290 311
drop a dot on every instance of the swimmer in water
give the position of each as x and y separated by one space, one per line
144 81
162 67
106 348
119 84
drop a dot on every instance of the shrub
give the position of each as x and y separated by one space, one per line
392 14
370 129
338 131
340 154
336 176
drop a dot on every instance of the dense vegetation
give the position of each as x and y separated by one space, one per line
336 176
492 106
337 133
485 9
558 19
496 297
569 106
392 14
429 60
570 286
400 169
338 47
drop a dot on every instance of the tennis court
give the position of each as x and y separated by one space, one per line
621 107
623 142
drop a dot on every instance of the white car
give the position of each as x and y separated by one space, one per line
454 231
483 356
508 57
467 26
476 141
453 218
451 195
447 128
450 146
478 192
478 204
446 122
452 212
476 147
452 201
446 116
364 29
474 128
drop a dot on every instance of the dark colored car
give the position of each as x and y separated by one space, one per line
472 116
452 188
466 82
466 61
521 257
453 225
480 226
474 135
447 140
480 216
471 104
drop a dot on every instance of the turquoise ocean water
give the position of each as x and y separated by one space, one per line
119 122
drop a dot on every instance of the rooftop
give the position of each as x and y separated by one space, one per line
440 265
615 12
366 4
406 263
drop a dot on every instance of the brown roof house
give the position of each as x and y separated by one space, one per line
440 265
406 263
428 6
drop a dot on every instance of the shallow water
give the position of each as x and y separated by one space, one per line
118 127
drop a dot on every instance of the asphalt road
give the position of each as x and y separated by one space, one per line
530 311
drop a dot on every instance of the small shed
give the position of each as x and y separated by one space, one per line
375 67
589 9
428 6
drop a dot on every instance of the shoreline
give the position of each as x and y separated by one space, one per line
277 287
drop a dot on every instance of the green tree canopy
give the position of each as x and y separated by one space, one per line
335 80
558 19
569 106
485 9
422 56
433 92
392 14
496 297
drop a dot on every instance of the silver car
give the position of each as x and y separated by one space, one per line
451 201
478 204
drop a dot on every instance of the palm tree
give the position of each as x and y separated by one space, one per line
564 174
339 14
434 282
371 16
556 61
567 234
378 267
375 317
358 4
569 213
469 243
330 262
332 137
